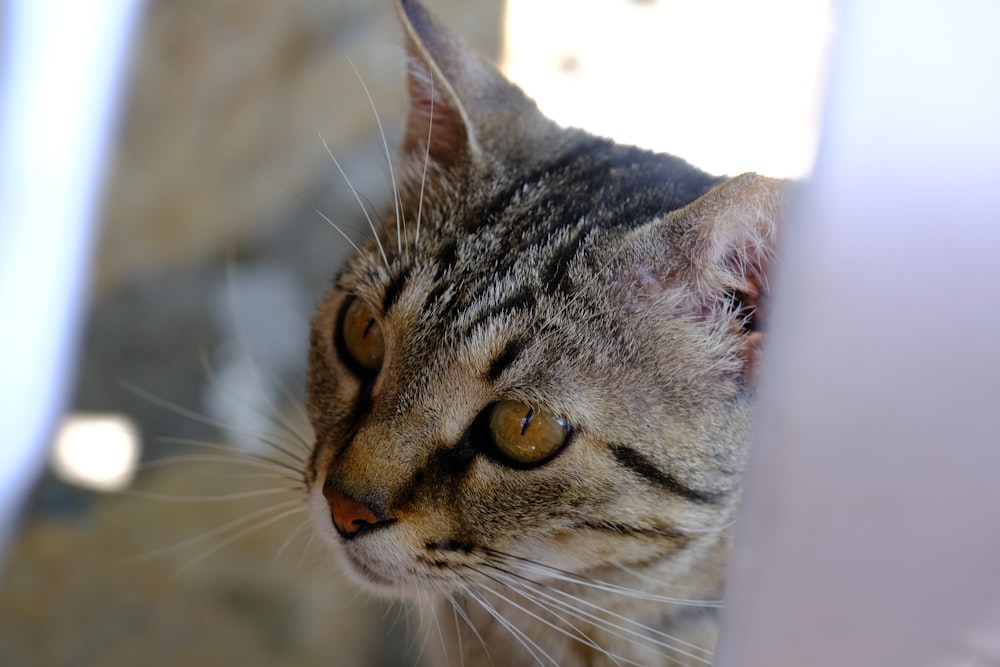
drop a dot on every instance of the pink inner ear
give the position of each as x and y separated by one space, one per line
435 126
656 295
751 352
755 288
738 221
738 224
750 331
754 297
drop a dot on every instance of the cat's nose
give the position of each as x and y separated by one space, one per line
349 516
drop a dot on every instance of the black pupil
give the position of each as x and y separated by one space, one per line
526 421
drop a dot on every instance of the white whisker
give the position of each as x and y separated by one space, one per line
534 649
424 635
240 535
611 628
202 419
238 453
563 575
420 626
357 196
337 227
275 416
458 628
394 604
270 476
310 543
215 532
247 349
714 529
579 635
299 406
275 467
291 538
642 631
427 159
227 497
388 159
472 626
440 634
407 617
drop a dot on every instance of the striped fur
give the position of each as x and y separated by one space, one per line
606 284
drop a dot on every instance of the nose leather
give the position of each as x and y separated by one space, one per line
349 516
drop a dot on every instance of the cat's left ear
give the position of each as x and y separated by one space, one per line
734 228
731 251
721 249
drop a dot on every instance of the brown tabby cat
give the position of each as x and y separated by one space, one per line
531 391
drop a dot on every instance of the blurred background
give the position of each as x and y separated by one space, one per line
211 254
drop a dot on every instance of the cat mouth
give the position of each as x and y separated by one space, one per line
366 561
369 575
395 578
388 563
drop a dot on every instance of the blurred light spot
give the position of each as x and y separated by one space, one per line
96 451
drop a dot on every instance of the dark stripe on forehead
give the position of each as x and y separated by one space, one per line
595 186
445 258
590 188
521 300
554 272
503 360
636 462
627 185
435 295
393 289
502 201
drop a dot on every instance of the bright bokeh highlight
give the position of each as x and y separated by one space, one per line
96 451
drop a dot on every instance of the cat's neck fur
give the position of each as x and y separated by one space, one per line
605 626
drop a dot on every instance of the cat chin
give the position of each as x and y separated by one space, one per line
405 584
368 578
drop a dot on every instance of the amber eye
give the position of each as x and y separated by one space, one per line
362 336
524 434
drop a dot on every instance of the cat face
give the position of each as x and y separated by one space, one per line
542 359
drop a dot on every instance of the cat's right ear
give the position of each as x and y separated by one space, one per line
461 107
437 126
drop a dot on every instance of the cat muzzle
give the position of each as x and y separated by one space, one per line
350 517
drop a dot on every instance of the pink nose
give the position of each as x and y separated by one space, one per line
349 515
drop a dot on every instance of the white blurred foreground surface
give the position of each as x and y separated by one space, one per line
60 65
869 534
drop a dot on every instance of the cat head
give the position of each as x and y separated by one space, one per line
544 354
